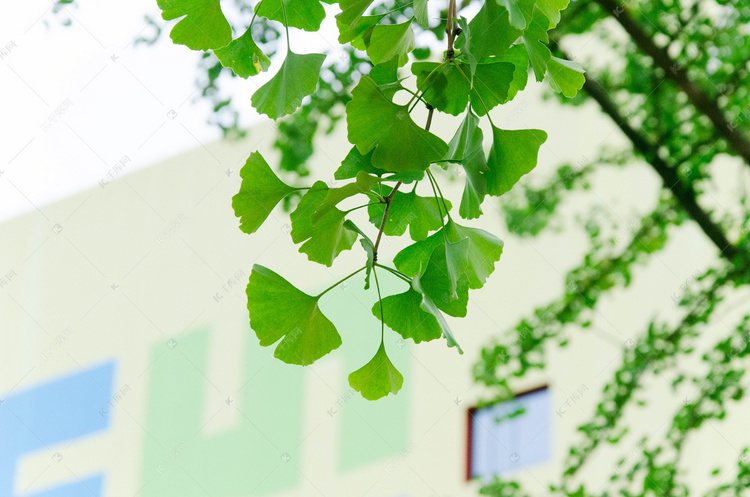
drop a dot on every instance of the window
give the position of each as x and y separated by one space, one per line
510 435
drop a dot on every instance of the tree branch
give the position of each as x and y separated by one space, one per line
705 104
684 193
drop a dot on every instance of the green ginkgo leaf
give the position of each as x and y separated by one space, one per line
466 148
490 32
517 56
420 214
565 76
446 86
259 193
420 13
484 250
534 39
443 279
354 163
326 238
357 33
403 314
243 56
551 9
203 25
513 154
297 78
377 378
441 264
278 310
351 12
374 122
491 85
391 40
429 306
518 11
302 14
362 185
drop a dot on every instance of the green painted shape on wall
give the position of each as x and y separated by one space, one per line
369 431
258 456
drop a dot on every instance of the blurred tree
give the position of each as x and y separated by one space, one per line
678 89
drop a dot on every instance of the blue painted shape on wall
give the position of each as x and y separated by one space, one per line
62 410
513 443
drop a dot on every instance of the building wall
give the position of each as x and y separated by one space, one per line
128 365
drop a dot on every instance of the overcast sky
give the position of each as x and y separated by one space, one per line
80 103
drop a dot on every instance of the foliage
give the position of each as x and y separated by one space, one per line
485 65
675 131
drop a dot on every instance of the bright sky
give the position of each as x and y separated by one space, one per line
78 100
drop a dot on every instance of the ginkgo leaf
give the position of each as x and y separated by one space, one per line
403 314
446 86
484 250
420 214
519 18
302 14
356 33
377 378
552 8
491 85
534 39
374 122
420 13
296 79
391 40
491 32
278 310
513 154
466 148
243 56
429 306
351 12
436 259
325 239
385 73
443 279
565 76
362 185
203 26
259 193
517 56
354 163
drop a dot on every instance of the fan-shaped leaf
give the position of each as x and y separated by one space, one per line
377 378
296 79
374 122
259 193
278 310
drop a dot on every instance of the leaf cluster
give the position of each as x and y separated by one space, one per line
485 65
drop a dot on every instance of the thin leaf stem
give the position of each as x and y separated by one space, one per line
286 27
437 200
255 14
427 87
362 207
380 304
388 200
395 272
339 282
437 185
